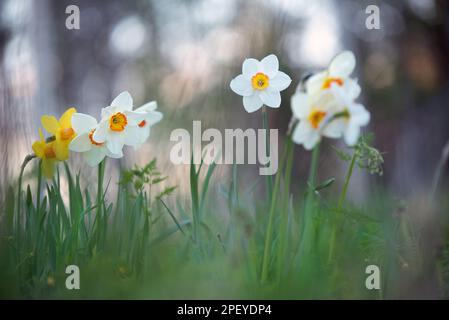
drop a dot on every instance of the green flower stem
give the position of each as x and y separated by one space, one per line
38 188
99 217
27 159
341 200
439 170
283 229
304 246
269 181
269 232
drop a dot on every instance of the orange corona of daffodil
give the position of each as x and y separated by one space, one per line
46 151
62 130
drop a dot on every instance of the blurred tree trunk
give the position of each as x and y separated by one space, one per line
27 83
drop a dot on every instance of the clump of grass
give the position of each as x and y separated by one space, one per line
146 244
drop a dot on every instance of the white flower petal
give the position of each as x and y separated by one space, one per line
352 134
315 83
101 132
281 81
334 129
300 106
242 85
134 118
154 117
301 131
82 123
147 107
270 65
359 115
115 143
114 156
124 101
132 136
144 134
304 134
271 98
311 141
107 112
95 156
250 67
81 143
342 65
351 88
252 103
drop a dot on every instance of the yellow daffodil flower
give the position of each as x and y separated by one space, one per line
63 132
46 151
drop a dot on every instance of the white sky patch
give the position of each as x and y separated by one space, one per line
296 8
214 12
20 66
224 44
15 13
193 59
128 36
319 40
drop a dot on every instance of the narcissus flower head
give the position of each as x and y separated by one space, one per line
336 75
62 131
330 114
151 117
327 107
84 142
315 115
119 125
46 151
350 117
260 83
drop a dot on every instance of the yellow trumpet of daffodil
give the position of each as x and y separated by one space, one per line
62 131
46 151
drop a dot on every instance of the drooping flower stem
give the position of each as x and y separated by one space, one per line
269 181
338 213
27 159
38 187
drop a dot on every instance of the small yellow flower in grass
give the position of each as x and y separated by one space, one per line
46 151
337 75
62 130
51 281
260 83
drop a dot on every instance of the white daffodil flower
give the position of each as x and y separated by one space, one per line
260 83
119 125
350 117
315 115
337 74
92 150
151 117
